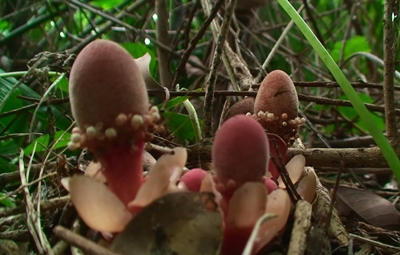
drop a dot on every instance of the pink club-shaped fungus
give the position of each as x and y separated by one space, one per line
240 154
192 179
240 157
110 105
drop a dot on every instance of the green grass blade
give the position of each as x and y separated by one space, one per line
358 105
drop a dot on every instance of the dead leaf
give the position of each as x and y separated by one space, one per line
372 208
177 223
8 247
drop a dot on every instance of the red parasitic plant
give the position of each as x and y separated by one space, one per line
240 158
114 120
110 105
102 210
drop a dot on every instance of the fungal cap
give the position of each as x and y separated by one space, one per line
240 153
277 98
106 90
105 81
307 186
295 168
277 94
193 179
244 106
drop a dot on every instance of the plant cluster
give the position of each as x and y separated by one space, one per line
114 120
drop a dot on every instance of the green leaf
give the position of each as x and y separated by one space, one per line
177 101
180 125
7 202
8 147
62 84
355 44
11 102
6 166
351 113
4 27
43 142
106 4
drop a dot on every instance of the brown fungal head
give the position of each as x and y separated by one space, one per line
276 105
110 105
244 106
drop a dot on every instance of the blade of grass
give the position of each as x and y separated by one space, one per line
376 133
194 119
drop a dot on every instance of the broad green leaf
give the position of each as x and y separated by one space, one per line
177 101
11 102
6 166
8 147
62 84
180 125
7 202
4 27
106 4
43 142
62 122
355 44
351 113
4 24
